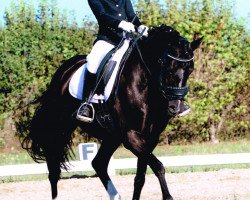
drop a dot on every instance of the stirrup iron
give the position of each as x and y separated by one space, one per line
83 118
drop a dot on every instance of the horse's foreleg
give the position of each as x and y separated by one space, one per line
159 171
139 178
100 164
54 174
141 148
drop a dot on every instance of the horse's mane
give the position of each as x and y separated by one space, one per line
163 33
159 38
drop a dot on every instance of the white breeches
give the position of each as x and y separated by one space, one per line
98 52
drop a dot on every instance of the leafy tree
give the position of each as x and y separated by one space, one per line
35 42
221 70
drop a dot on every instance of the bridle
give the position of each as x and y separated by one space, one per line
170 92
180 59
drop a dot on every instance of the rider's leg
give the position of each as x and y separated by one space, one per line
98 52
84 112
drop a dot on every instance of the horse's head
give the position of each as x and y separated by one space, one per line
175 61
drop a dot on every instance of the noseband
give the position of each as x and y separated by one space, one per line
174 93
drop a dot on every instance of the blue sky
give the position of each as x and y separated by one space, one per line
81 8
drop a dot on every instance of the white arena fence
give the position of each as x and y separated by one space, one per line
87 152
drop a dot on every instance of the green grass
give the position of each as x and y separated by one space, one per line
206 168
242 146
38 177
11 179
15 158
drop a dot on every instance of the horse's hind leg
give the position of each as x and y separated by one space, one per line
139 178
100 164
54 174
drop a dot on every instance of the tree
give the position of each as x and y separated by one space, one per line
221 68
34 43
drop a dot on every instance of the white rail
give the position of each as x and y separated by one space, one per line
131 163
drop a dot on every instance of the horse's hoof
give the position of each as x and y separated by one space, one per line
54 195
116 197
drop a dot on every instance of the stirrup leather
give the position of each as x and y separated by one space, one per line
79 115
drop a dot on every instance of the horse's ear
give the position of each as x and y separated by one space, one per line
196 43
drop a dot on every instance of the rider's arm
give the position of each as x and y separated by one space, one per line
131 13
101 15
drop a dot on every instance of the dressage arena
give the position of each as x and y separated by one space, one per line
225 184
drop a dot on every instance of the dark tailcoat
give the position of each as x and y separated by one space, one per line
109 13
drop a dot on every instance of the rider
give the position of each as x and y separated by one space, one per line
114 17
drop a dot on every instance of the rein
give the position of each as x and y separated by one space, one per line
168 92
134 44
139 51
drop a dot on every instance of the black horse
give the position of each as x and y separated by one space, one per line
148 96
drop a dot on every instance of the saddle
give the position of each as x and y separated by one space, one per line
111 63
107 81
105 69
110 66
107 74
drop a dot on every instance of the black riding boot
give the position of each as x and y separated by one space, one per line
85 112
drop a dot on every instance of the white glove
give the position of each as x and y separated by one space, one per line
126 26
141 28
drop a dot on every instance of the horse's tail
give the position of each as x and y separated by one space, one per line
49 134
50 130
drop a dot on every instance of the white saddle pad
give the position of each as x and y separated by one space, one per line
77 83
77 80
